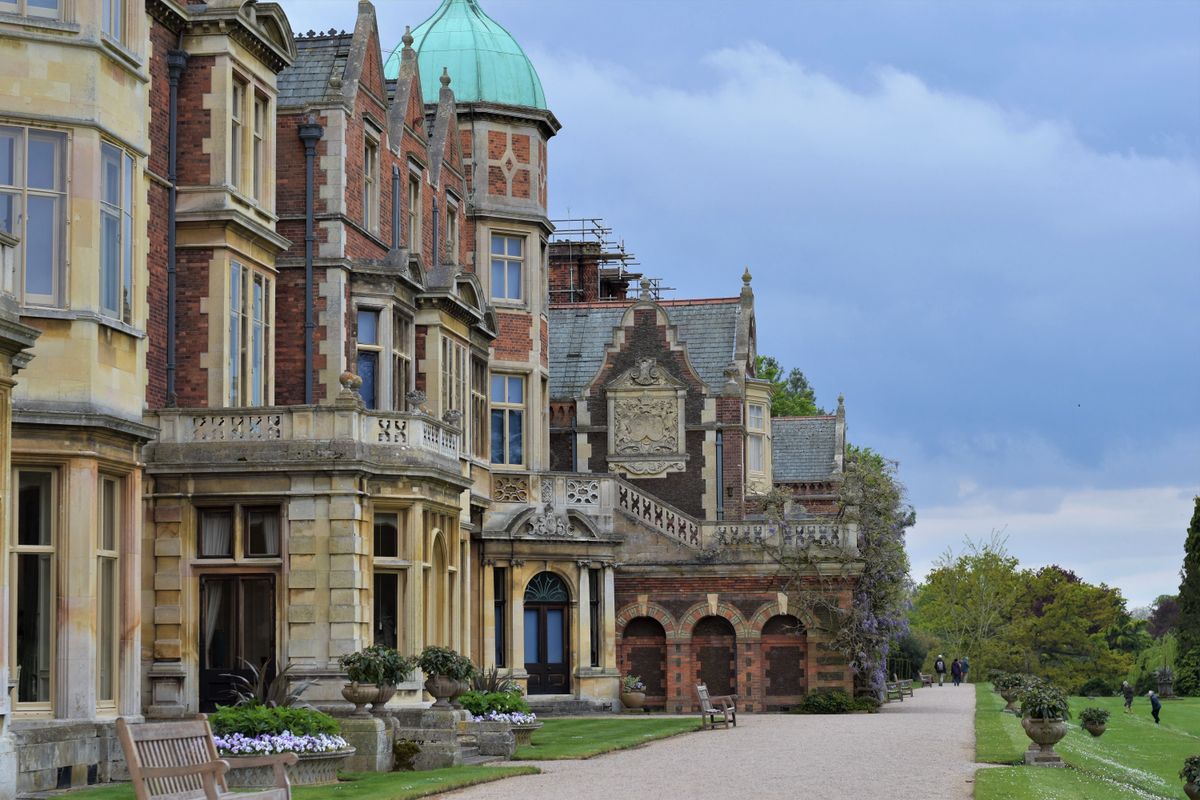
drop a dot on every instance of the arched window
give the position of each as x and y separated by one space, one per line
546 587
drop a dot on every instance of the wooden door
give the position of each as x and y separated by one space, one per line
237 627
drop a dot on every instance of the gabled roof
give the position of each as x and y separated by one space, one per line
803 449
317 73
580 332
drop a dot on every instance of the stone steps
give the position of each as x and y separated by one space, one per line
565 706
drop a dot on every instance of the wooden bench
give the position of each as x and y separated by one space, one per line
723 706
179 760
926 680
892 690
906 688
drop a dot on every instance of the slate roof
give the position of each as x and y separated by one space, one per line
318 58
579 333
803 448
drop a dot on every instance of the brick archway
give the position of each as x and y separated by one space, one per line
735 618
652 610
783 661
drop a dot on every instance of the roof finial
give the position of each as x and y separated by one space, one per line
407 38
645 283
841 409
445 76
746 277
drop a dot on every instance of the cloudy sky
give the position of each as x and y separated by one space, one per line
979 221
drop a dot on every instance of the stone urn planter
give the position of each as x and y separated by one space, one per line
1095 728
313 769
381 697
442 688
633 700
524 733
1010 697
462 688
360 694
1045 733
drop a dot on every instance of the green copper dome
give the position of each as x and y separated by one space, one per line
486 64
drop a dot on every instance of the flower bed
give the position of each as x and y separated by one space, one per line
512 717
237 744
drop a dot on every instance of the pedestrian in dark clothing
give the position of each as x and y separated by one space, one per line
966 665
1127 693
956 672
1155 705
939 667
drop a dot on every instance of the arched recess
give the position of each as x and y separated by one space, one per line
714 652
643 652
735 618
437 611
652 610
547 624
784 648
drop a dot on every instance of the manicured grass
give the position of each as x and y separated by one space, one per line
366 785
1134 757
584 738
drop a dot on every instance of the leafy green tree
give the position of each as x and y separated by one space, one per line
968 600
1164 615
1187 674
792 396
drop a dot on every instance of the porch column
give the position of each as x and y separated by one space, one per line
583 626
608 639
516 647
414 583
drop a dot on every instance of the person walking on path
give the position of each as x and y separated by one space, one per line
1155 705
1127 693
966 665
956 672
939 667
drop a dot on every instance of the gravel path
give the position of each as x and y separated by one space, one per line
921 749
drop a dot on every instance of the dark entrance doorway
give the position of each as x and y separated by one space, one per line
644 653
783 656
547 635
237 627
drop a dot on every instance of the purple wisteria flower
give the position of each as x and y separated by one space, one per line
237 744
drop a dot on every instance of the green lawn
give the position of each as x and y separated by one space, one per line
1133 759
584 738
366 785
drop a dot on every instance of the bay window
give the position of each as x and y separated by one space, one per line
508 419
401 360
249 341
368 356
108 590
756 430
387 579
45 9
479 408
508 262
33 585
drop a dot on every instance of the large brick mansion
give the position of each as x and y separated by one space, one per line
293 361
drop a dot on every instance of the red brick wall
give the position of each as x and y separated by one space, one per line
161 40
729 412
515 341
191 281
194 124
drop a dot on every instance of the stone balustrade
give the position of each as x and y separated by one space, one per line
336 431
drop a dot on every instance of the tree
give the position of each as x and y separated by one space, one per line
1187 673
1164 615
968 601
791 396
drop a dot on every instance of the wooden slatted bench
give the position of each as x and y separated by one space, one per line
906 688
926 680
723 706
179 760
892 690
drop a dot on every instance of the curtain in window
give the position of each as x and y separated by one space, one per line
216 534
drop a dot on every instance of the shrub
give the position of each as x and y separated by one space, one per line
493 681
1042 700
632 683
482 703
436 660
377 664
259 719
259 690
1094 716
1096 687
835 702
865 703
405 751
1191 770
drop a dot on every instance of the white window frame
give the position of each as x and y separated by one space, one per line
239 90
480 426
120 272
261 113
455 363
756 438
114 22
244 319
111 518
508 408
370 195
16 549
23 8
372 347
402 358
397 565
20 194
414 209
503 293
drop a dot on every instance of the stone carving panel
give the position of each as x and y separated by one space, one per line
646 421
546 524
646 425
583 492
510 489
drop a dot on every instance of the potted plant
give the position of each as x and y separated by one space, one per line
1094 720
633 692
503 706
1044 712
1166 681
242 733
1009 685
444 670
1191 777
373 673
